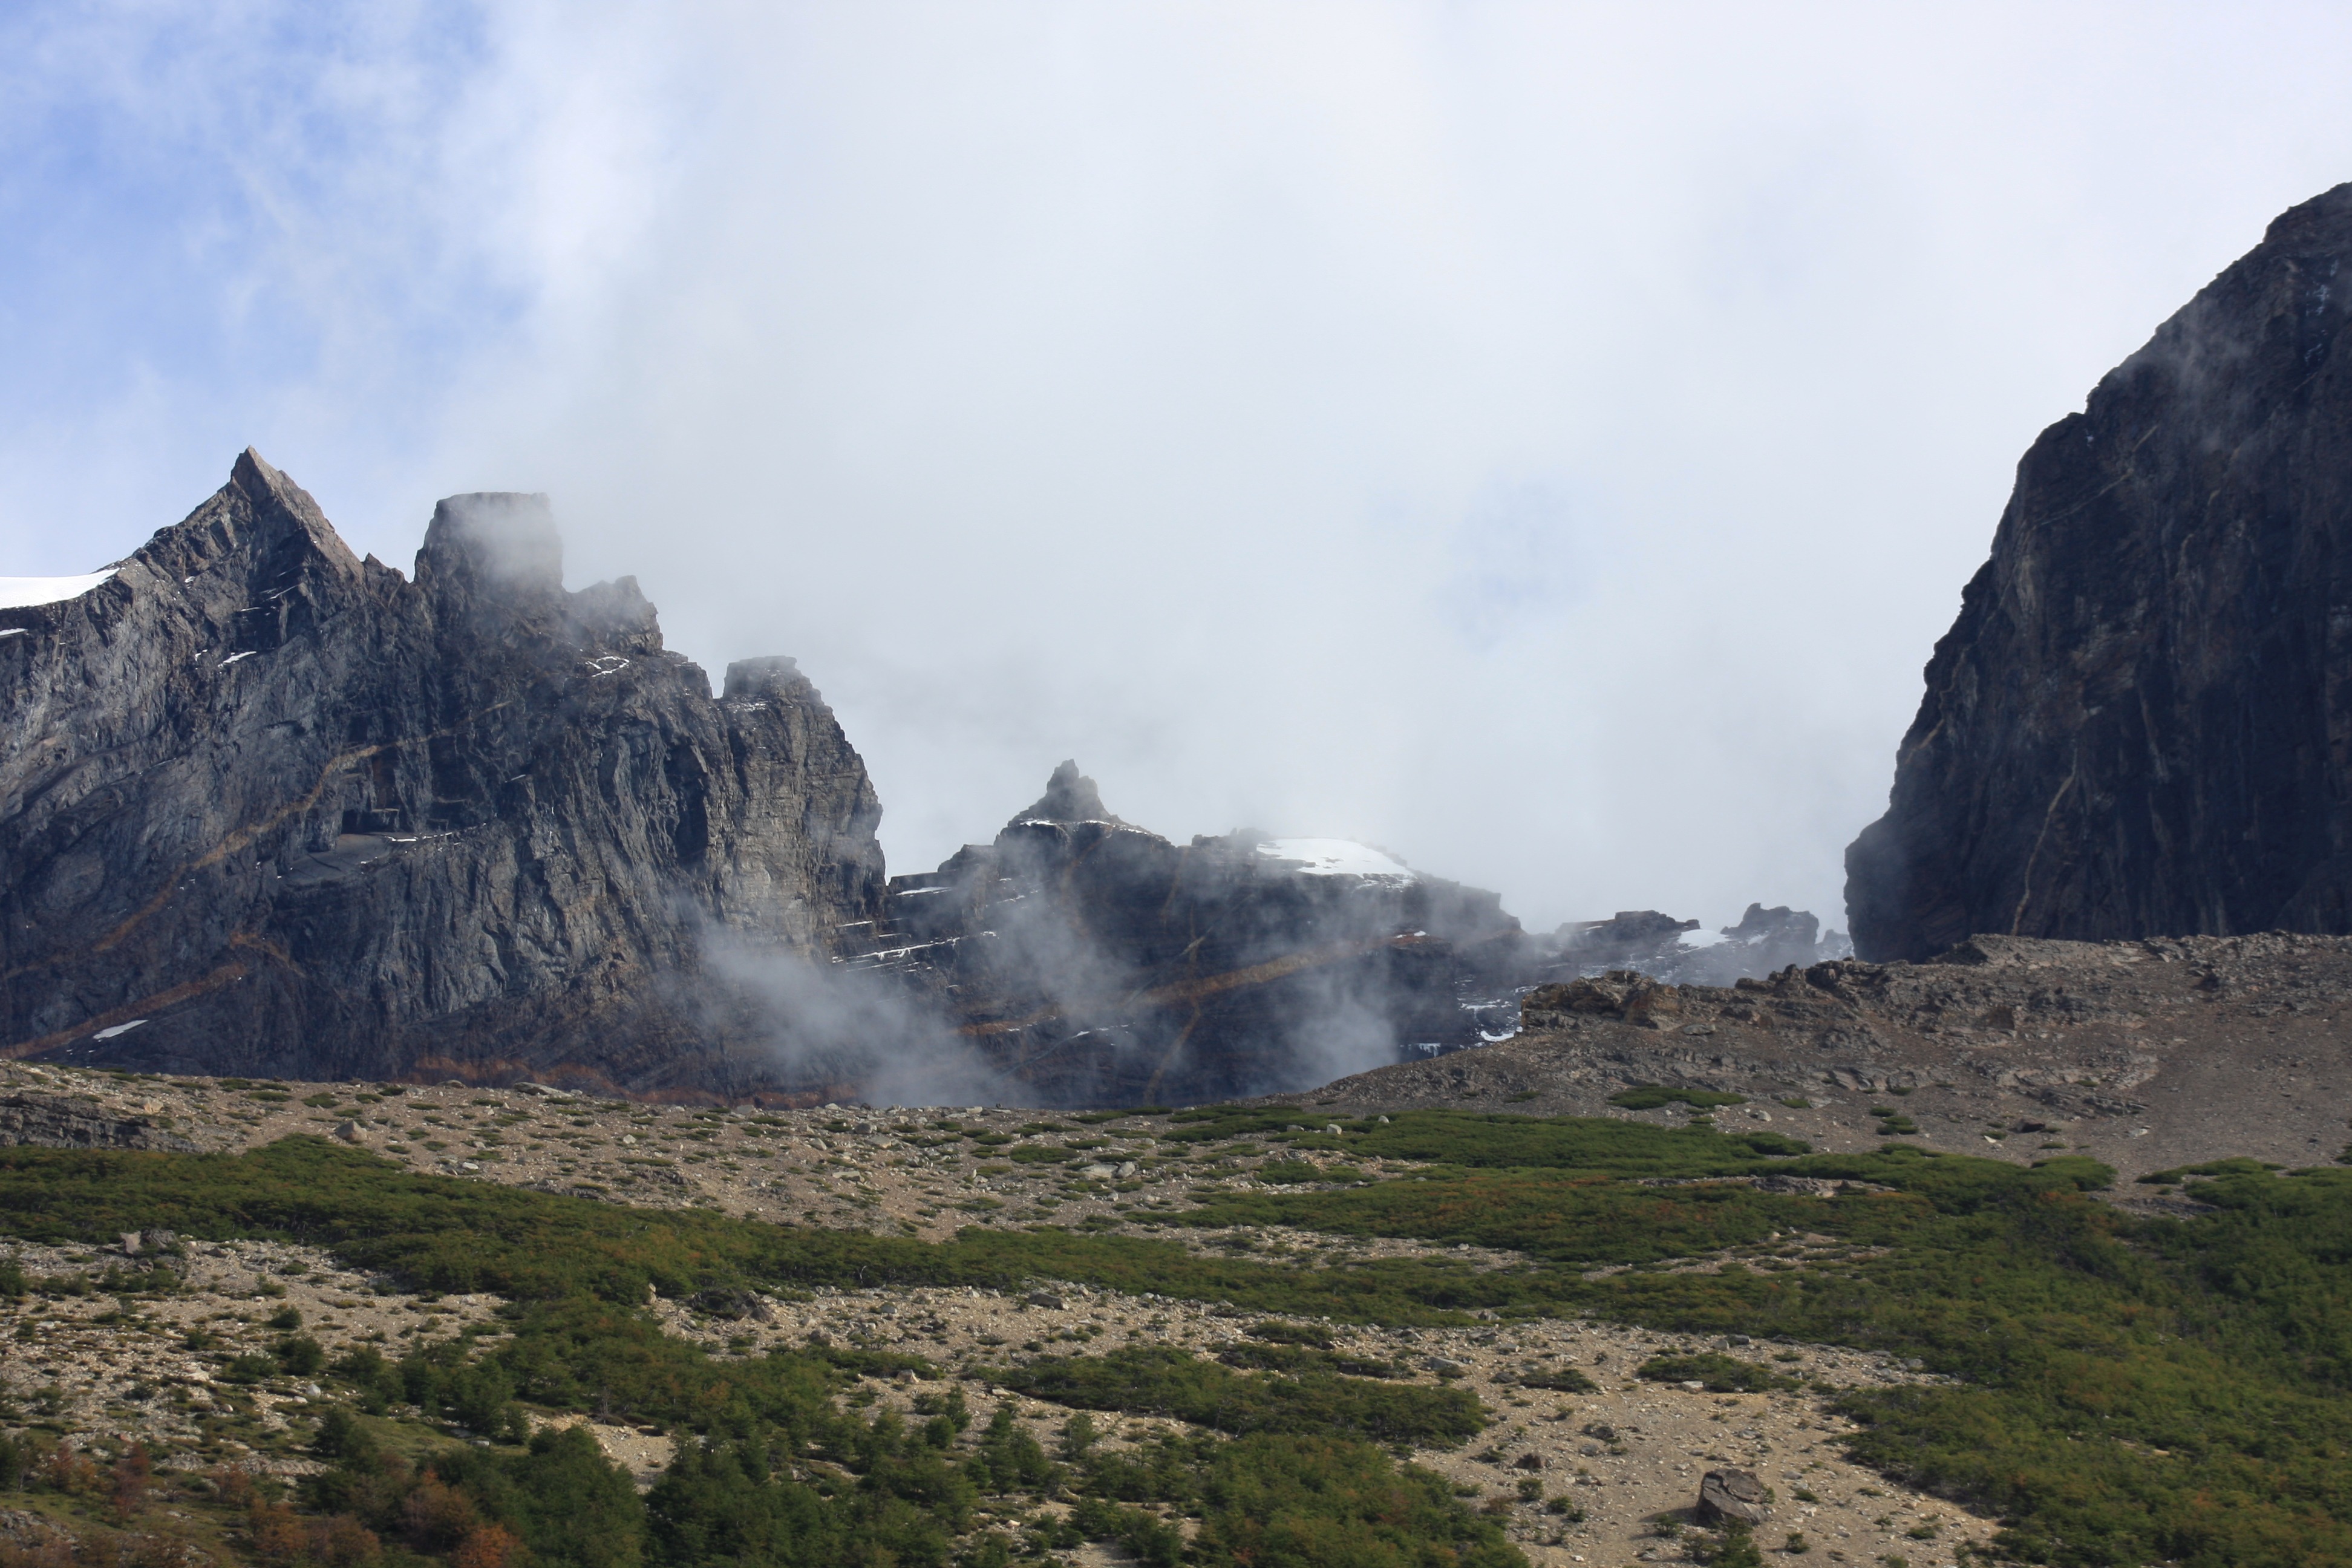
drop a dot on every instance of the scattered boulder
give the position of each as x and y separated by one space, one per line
28 1532
732 1302
1732 1497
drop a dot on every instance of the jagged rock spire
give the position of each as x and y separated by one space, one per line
1070 796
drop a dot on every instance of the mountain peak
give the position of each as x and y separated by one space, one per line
1070 796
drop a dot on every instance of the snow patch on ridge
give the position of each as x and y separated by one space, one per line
24 593
1338 857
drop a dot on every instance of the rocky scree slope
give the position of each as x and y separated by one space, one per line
266 807
2144 1055
2141 721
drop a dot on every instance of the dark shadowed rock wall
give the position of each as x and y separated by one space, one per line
1091 961
268 808
2141 724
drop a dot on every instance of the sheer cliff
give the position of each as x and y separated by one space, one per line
268 808
2141 723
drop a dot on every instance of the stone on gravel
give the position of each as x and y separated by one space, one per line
730 1302
1729 1496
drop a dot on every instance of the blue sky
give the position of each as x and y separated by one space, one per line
1545 440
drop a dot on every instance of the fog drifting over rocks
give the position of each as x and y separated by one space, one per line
1543 442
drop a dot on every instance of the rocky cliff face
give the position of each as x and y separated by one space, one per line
1093 962
268 808
2141 724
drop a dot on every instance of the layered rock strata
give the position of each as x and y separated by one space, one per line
2141 723
268 808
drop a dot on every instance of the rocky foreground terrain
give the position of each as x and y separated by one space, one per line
2144 1055
1624 1455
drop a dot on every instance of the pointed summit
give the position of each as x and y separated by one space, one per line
258 495
1070 796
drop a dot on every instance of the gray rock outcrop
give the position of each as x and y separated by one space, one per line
62 1122
1763 942
1732 1497
2141 724
268 808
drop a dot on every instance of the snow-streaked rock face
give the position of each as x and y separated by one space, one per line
290 813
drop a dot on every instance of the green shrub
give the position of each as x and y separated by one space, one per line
1298 1359
1333 1500
1012 1460
1160 1379
1720 1373
1281 1333
1559 1380
1651 1096
1144 1537
376 1379
300 1357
